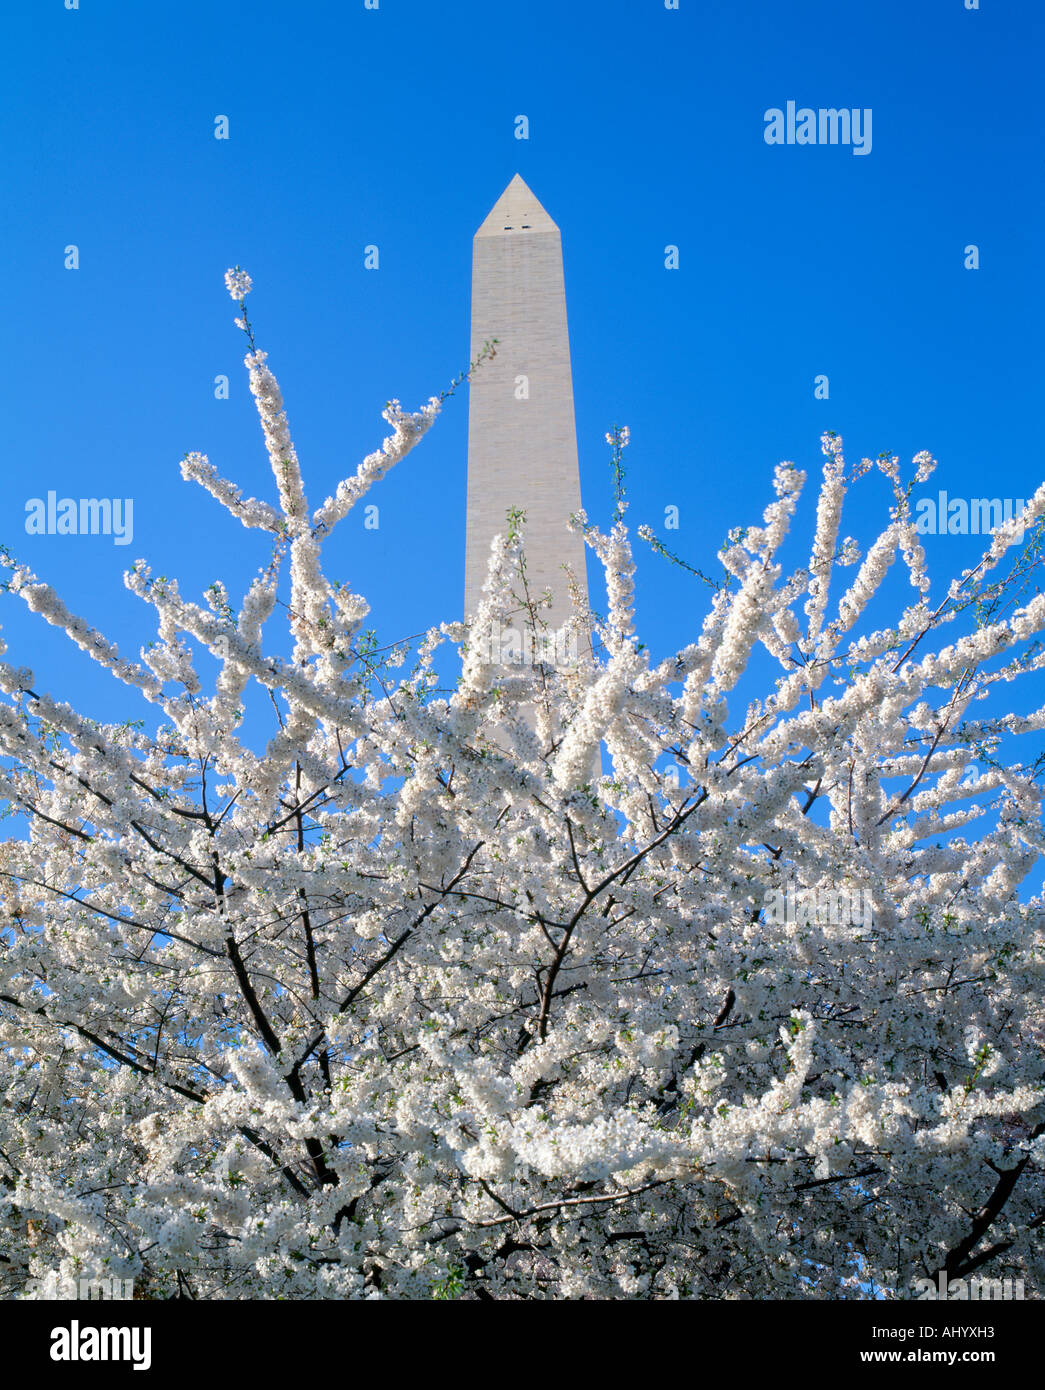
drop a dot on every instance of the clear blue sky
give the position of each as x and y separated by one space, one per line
395 127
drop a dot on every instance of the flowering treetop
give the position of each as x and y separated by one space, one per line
411 1003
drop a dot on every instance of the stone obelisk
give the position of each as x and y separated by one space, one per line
522 442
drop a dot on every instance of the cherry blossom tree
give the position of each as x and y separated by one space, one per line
412 1001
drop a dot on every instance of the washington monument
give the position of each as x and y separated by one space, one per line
522 442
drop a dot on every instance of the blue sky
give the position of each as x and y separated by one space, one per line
395 127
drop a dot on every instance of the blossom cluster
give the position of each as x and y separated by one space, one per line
496 991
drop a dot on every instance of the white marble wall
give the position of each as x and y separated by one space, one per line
522 452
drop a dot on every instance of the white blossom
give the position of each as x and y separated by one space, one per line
404 994
238 283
